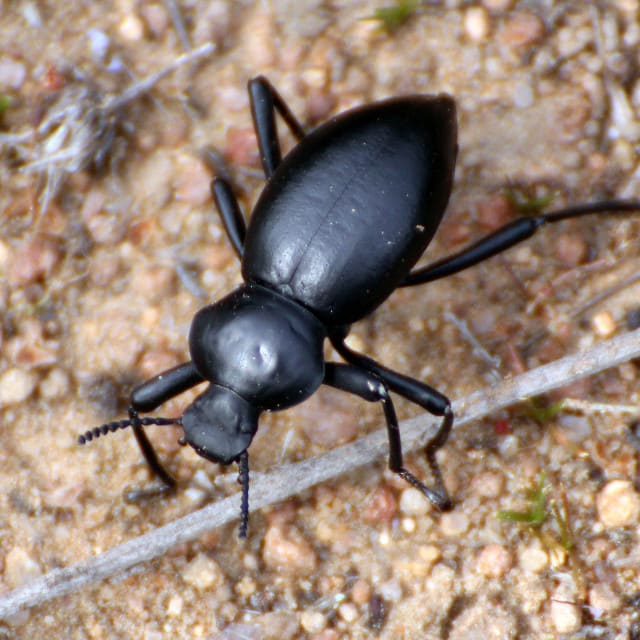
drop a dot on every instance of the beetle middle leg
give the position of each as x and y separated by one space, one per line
371 387
421 394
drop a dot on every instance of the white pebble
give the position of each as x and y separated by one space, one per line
618 504
12 72
131 28
98 44
20 567
454 523
565 615
413 503
16 385
313 621
203 573
476 23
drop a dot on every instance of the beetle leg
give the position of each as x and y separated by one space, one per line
265 101
231 214
421 394
369 386
508 236
146 397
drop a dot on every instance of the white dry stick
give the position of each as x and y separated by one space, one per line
284 482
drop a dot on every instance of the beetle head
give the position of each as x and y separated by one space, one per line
220 424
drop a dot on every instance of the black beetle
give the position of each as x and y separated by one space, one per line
340 223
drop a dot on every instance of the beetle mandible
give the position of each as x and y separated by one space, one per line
340 223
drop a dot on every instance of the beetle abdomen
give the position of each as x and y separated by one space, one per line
353 206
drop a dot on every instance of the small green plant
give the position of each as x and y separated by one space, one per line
536 514
394 16
541 506
526 204
5 102
541 412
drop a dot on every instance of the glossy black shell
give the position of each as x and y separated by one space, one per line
352 208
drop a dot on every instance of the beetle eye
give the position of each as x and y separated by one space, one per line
220 424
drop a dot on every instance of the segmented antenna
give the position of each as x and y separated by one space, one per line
243 479
110 427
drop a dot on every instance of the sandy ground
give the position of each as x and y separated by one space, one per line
97 292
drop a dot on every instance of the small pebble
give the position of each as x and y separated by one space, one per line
497 5
55 385
628 6
488 484
603 599
429 554
12 73
618 504
241 147
481 619
156 17
533 558
98 44
260 38
603 324
522 30
33 260
476 23
327 634
380 507
246 587
360 592
203 573
175 606
131 28
192 181
571 249
348 612
20 567
494 561
413 503
454 523
494 212
285 549
313 621
565 615
16 385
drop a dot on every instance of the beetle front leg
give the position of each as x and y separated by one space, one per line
230 213
369 386
148 396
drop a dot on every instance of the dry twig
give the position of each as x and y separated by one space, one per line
80 127
281 483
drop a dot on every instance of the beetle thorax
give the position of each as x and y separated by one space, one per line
261 345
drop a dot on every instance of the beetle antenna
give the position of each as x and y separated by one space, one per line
243 479
110 427
575 211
